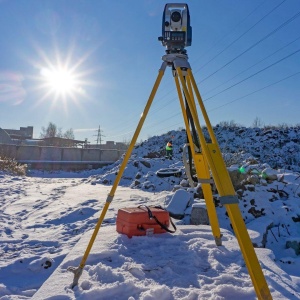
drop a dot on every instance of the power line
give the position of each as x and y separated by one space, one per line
254 45
226 35
243 34
175 115
242 97
267 86
254 74
268 56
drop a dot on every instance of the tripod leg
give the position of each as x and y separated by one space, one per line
78 271
202 172
204 175
227 193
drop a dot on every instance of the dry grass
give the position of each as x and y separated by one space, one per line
11 166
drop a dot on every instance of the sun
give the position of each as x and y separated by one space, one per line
60 81
61 84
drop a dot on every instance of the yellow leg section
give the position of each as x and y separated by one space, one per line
78 271
202 172
226 191
204 175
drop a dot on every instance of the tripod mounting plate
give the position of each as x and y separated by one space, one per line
177 60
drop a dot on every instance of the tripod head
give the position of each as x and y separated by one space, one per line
176 29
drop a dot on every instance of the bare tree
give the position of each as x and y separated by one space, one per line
257 123
229 124
50 131
69 134
53 131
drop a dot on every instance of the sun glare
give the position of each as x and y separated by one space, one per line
60 81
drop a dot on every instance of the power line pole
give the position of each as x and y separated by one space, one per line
99 136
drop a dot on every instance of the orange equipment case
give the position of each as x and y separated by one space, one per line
135 221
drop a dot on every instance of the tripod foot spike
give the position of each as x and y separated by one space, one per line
218 240
77 273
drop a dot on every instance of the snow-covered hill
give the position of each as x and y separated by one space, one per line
277 146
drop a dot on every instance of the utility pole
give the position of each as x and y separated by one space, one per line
99 136
99 141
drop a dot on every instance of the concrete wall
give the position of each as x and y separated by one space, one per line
26 152
50 153
110 155
71 154
91 154
59 154
108 146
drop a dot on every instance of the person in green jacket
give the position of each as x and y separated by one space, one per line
169 150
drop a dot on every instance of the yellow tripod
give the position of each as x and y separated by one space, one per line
208 162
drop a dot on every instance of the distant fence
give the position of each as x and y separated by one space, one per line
49 157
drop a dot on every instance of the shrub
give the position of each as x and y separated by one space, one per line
11 166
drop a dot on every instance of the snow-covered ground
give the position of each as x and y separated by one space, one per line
47 220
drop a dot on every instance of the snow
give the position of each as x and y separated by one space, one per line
47 220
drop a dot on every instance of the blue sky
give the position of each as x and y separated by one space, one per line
244 55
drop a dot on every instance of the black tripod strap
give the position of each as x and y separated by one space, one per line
151 216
